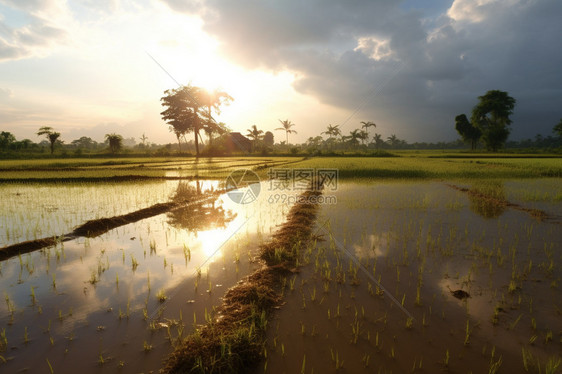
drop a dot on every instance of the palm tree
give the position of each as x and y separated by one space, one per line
255 135
287 128
52 135
363 136
143 139
353 137
377 139
366 126
332 131
115 142
393 140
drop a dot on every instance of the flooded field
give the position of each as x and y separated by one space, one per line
120 301
423 277
401 276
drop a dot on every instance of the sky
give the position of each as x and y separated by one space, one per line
87 67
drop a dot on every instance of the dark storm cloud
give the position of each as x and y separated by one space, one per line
344 52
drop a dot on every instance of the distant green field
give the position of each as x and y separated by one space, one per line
406 165
134 168
438 168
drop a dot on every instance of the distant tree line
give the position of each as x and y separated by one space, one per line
189 110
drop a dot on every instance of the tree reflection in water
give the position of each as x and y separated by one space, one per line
200 212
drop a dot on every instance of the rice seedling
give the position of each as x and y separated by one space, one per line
147 347
468 331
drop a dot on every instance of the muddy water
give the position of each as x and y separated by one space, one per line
418 242
118 302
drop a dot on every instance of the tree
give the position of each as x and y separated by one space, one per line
353 137
115 142
51 135
287 128
558 129
467 131
377 139
268 139
393 140
143 139
255 134
363 136
491 117
212 101
332 131
314 142
84 142
183 113
6 138
366 125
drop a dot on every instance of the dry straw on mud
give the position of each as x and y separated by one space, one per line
233 341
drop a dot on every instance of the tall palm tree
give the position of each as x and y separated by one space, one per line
287 128
143 139
255 135
52 135
366 125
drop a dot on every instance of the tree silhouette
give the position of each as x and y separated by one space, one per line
467 131
491 117
183 113
366 125
143 139
377 139
51 135
363 136
393 140
6 138
213 100
287 128
353 137
332 131
115 142
255 135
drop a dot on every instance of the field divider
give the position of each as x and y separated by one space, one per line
233 338
99 226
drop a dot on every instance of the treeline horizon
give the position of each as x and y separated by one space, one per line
87 147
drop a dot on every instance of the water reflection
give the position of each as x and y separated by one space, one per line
91 289
488 199
201 211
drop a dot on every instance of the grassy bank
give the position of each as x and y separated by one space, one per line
232 341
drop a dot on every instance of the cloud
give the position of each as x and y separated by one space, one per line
342 52
38 36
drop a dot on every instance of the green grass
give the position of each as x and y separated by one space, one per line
405 165
437 168
133 168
